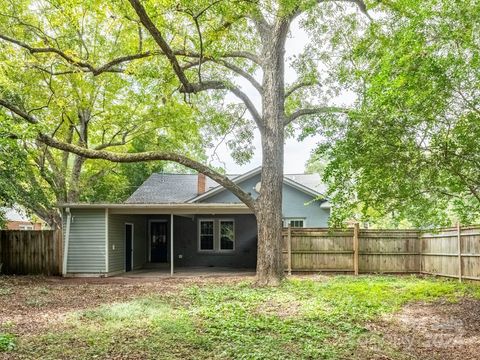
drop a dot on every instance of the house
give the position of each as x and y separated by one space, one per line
181 220
18 220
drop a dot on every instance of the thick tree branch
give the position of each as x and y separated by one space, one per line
299 86
152 156
84 66
236 69
232 54
243 54
18 111
34 50
138 157
188 87
250 106
313 111
242 73
161 42
127 58
220 85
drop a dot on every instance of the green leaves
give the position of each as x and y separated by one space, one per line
68 68
406 153
7 342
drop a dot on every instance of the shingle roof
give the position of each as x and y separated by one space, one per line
179 188
312 181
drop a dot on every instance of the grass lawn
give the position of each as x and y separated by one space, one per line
305 318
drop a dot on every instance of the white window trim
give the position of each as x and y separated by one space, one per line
288 220
216 236
220 235
199 247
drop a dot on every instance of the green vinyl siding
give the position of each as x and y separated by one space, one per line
86 250
116 241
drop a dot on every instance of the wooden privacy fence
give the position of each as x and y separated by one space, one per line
445 252
31 252
452 252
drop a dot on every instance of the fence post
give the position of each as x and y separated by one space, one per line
459 246
356 231
289 249
420 250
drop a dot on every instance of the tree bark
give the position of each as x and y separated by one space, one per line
269 202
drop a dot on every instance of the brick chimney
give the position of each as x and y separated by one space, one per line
201 183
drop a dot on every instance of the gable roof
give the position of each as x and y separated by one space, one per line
220 188
182 188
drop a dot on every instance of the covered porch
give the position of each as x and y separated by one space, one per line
145 240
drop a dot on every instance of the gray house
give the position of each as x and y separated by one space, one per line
180 220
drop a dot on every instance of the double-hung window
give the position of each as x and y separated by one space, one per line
216 235
227 235
206 235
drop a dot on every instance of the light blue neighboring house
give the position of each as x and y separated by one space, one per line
181 220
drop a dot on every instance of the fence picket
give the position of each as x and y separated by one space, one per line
387 251
30 252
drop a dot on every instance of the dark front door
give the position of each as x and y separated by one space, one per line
158 242
128 246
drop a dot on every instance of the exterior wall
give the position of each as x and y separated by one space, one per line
226 196
296 204
86 249
186 243
116 241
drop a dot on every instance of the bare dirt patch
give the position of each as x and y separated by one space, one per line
440 330
283 310
30 304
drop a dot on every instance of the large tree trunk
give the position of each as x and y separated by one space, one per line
269 214
269 203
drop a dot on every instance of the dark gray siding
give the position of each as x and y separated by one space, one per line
116 241
86 250
186 243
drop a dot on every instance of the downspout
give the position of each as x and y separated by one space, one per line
171 245
67 240
106 243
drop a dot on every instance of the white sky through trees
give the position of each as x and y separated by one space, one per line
296 152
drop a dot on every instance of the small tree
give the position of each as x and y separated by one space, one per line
204 46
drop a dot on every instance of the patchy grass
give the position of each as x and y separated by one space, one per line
305 318
7 342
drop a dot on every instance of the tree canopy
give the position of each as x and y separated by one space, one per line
410 149
166 68
78 70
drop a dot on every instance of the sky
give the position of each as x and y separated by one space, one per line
296 153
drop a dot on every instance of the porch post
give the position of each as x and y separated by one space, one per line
171 244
